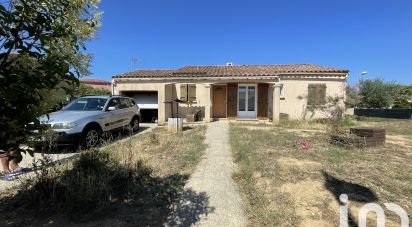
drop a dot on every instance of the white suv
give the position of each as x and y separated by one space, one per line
85 119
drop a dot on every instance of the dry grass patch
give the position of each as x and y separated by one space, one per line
285 185
135 182
392 126
165 152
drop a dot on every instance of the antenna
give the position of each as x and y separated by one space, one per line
134 61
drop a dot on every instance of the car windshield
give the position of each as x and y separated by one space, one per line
86 104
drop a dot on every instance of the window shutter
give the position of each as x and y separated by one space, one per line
282 91
311 94
232 99
321 100
192 92
262 100
183 92
317 94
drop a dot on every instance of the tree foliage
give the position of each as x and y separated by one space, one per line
41 47
378 93
352 97
85 89
404 98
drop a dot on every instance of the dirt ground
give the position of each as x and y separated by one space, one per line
33 162
303 186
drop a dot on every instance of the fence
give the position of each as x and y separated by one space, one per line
385 113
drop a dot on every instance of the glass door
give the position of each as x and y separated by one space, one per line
246 101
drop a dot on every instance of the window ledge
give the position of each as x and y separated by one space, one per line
192 102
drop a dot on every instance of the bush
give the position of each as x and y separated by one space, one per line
94 181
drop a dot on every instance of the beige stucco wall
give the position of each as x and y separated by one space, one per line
202 100
168 92
294 103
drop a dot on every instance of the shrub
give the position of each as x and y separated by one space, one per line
94 181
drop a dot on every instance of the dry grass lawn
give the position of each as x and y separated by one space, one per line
164 152
285 185
135 182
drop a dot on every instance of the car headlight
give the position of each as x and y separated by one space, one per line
64 125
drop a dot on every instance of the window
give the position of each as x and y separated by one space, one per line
242 98
124 103
114 102
251 91
188 92
317 94
282 90
87 104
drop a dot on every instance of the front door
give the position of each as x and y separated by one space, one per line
246 101
219 101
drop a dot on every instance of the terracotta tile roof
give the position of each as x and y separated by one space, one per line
235 70
146 73
94 81
256 70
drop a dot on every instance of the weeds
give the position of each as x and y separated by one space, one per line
252 167
93 181
154 138
283 185
392 126
146 172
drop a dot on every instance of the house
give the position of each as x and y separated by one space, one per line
263 92
99 84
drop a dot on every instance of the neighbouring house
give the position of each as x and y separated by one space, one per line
99 84
263 92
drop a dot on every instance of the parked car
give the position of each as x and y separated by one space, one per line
84 120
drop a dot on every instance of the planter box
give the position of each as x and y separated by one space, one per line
190 117
369 137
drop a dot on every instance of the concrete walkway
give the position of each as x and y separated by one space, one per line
213 178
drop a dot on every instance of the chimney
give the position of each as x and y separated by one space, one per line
229 63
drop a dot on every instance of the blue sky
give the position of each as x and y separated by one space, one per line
359 35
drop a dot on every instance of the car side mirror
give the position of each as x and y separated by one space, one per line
111 108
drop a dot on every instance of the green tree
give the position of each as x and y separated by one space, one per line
377 93
84 89
404 98
352 97
41 47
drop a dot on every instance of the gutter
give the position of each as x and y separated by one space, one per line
202 77
196 78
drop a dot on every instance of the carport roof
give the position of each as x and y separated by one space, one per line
233 71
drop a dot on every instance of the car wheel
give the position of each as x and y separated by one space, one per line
135 124
91 137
